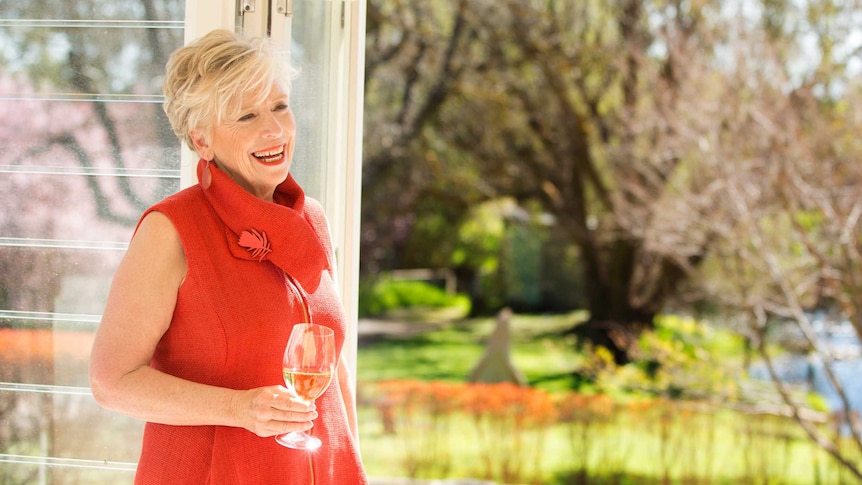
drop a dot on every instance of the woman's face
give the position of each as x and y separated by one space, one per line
256 149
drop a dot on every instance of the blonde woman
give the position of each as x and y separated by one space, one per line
215 277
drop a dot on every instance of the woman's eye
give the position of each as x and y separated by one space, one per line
281 107
247 117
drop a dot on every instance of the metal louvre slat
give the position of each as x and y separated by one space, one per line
45 389
91 171
67 462
90 23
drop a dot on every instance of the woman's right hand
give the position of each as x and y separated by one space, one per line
272 410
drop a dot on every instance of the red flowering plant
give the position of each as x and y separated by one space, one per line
511 422
420 413
587 418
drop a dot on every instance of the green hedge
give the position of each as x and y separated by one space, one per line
379 297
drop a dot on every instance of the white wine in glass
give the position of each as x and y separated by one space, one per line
307 365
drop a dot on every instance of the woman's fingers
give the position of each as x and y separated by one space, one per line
283 399
274 410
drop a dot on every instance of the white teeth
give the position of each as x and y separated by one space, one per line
270 153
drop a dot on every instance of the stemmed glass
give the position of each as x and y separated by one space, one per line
308 364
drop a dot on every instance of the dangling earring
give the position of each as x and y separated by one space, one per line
206 176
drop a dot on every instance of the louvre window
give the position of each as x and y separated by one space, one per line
84 148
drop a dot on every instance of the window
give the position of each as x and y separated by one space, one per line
326 40
84 149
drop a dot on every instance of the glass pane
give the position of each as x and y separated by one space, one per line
84 148
63 435
99 10
56 280
68 201
310 93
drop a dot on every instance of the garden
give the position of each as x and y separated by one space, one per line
684 412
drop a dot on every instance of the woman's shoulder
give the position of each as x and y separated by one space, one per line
313 208
316 216
182 205
181 210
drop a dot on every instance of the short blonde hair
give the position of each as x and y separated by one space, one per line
207 80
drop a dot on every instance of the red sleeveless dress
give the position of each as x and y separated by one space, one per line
233 315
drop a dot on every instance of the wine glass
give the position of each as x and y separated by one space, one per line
308 363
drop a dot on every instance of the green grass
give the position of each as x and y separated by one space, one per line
721 447
439 355
451 351
625 452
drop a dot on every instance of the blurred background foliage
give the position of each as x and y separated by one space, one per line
632 159
623 157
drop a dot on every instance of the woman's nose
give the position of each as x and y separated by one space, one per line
271 126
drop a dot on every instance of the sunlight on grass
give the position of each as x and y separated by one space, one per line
660 442
630 438
450 352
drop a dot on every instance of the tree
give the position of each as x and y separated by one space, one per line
793 241
590 109
413 60
91 68
45 135
619 117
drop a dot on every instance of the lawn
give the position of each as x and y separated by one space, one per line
450 351
629 438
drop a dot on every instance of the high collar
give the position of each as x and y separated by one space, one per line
259 230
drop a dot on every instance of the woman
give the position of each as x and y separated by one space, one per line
214 278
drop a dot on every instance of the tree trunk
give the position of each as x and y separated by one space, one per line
621 303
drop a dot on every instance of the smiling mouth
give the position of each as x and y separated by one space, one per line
270 155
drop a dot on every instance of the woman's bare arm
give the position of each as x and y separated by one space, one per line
138 312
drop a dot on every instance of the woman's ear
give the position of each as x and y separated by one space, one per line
202 144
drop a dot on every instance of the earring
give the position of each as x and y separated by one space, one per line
206 176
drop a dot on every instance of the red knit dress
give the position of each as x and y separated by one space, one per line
233 316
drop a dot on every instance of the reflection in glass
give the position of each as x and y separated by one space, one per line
310 96
57 280
84 148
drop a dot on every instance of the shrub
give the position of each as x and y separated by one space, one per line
386 295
